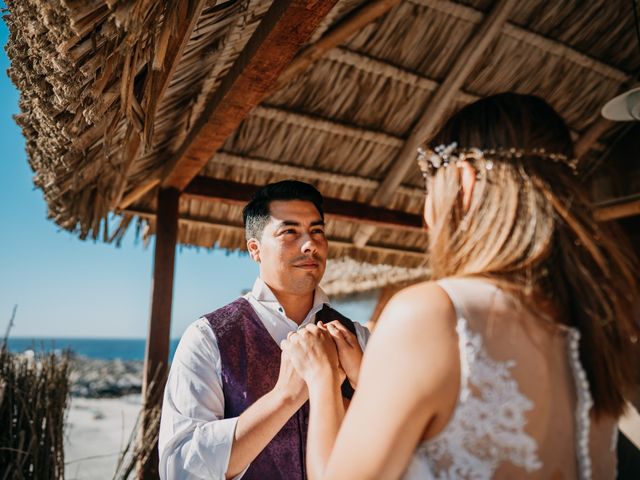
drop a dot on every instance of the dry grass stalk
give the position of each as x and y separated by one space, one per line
34 396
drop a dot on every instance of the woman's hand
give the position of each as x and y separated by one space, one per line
313 354
349 351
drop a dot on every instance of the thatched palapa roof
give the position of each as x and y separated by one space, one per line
118 97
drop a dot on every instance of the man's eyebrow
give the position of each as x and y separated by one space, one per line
293 223
288 223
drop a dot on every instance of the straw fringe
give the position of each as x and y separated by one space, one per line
82 68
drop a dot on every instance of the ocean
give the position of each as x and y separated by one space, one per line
358 308
98 348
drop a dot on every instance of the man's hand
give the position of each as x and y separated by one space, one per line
349 351
290 385
313 352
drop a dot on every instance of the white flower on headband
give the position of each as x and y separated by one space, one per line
443 155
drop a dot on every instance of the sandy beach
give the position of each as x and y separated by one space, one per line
97 431
99 428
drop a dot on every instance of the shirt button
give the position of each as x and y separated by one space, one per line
280 309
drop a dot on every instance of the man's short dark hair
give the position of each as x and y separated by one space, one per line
256 213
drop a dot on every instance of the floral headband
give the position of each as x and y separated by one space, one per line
431 160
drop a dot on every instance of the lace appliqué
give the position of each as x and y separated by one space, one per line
487 427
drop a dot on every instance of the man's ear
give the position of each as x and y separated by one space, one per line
253 246
468 183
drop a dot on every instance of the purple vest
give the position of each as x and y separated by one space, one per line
250 363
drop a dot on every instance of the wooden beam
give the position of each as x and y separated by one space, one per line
546 44
208 223
437 108
286 26
380 68
622 208
288 170
591 135
215 190
139 191
156 357
171 45
589 138
337 35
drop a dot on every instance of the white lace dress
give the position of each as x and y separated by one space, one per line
496 431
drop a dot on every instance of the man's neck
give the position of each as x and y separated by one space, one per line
296 307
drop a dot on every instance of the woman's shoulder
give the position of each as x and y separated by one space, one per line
415 302
445 296
423 312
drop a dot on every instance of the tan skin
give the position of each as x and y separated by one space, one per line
421 398
291 253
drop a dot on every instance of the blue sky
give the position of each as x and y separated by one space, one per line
66 287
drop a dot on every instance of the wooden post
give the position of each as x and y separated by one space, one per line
157 349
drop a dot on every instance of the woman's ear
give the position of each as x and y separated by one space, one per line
468 183
254 249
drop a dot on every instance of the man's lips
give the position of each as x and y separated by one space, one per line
308 265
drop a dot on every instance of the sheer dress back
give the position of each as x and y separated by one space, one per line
524 402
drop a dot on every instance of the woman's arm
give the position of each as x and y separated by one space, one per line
325 417
408 386
314 355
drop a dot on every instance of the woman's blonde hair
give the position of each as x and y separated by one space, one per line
530 227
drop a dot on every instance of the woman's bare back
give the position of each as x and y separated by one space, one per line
523 405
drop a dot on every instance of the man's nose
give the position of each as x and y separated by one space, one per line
308 245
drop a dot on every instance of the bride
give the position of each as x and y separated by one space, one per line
515 360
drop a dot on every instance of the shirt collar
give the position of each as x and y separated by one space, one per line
263 294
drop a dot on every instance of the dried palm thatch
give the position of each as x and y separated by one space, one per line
102 116
346 276
34 395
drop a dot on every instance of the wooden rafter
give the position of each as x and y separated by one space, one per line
368 64
315 123
620 208
208 223
517 32
286 170
235 193
437 108
589 138
284 29
334 37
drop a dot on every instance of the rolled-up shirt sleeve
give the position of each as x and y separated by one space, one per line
363 334
195 439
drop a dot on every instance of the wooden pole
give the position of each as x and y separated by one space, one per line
157 350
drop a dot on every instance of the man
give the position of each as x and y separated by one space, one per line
234 407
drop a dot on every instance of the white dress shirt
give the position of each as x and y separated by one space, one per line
195 438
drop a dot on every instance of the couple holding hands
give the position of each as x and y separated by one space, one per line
516 361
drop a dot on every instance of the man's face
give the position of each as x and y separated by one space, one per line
292 251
